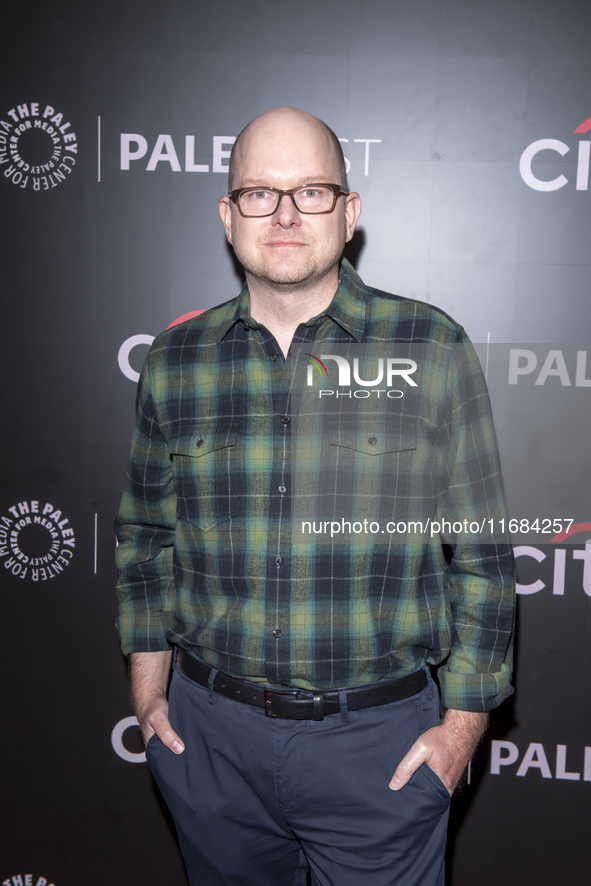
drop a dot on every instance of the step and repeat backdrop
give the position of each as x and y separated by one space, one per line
466 125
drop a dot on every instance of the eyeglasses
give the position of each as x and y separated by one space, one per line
312 199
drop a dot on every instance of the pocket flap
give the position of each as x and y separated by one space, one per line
200 437
373 438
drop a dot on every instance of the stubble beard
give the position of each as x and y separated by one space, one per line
287 278
279 274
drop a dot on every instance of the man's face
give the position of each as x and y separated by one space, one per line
286 150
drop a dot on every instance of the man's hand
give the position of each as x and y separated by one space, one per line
446 749
149 673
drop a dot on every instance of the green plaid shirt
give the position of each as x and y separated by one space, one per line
207 559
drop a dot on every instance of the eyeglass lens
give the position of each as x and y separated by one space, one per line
261 201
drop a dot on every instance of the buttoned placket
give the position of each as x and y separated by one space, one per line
277 647
279 563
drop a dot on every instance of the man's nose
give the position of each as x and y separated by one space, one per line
287 212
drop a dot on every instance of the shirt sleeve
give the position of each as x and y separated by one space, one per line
145 528
481 572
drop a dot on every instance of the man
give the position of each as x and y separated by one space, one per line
350 773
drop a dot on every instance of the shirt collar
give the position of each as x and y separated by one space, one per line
241 313
349 303
347 307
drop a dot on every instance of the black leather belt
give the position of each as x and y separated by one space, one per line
302 704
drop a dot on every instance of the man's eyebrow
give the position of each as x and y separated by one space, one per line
255 183
260 183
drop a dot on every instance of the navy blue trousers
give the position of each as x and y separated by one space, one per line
257 801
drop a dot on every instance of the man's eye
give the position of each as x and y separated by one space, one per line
309 193
260 195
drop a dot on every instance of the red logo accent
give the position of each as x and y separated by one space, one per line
188 316
584 127
578 527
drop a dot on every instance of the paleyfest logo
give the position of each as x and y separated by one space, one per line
180 156
37 147
554 144
36 540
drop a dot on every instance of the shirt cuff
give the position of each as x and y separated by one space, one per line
145 634
474 692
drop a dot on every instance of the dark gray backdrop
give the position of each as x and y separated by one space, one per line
451 93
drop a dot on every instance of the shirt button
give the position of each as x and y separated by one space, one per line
273 357
276 633
278 561
372 441
285 419
199 442
245 324
282 489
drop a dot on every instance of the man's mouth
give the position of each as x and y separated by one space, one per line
279 244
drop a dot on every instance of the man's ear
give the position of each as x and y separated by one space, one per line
352 212
226 215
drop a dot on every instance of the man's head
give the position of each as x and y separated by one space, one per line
284 149
336 146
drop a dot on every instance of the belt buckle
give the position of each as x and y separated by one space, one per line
269 701
317 697
318 706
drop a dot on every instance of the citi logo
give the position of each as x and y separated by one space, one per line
559 147
554 569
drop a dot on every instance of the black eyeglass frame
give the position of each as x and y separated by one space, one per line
337 190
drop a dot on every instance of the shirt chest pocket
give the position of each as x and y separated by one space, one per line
367 469
206 475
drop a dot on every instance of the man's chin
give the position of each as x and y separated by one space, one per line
287 278
282 274
288 275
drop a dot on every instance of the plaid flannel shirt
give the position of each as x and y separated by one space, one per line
207 559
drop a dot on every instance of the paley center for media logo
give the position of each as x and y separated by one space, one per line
559 147
36 540
387 371
37 147
26 880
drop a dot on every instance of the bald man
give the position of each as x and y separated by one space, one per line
300 735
